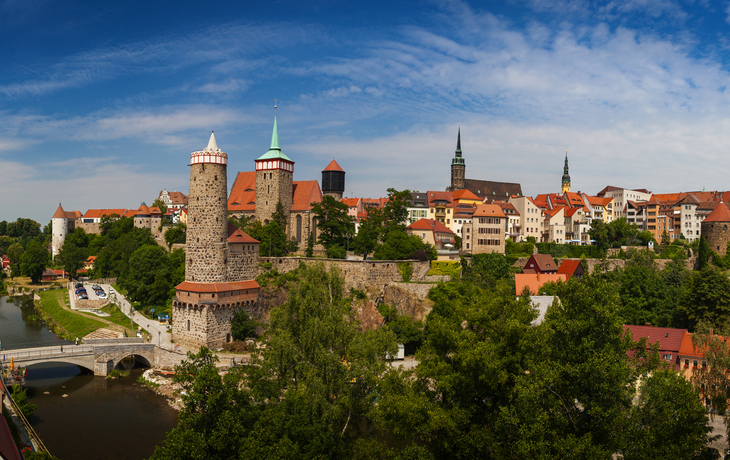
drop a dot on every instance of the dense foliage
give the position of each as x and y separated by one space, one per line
489 383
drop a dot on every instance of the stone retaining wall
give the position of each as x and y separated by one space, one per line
358 274
590 265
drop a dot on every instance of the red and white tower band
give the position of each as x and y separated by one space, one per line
220 259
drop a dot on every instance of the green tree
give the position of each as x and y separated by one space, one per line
175 235
273 241
395 211
310 245
15 254
704 252
72 258
23 228
652 433
34 260
243 326
398 245
485 269
334 225
706 297
21 399
149 280
368 234
665 238
158 203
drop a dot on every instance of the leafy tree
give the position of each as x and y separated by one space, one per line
34 260
368 234
21 399
665 238
600 234
23 228
123 239
158 203
334 225
704 252
243 326
398 245
72 258
666 392
485 269
149 280
273 241
280 216
175 235
15 254
395 211
3 228
706 297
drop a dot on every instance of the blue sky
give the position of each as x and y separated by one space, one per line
101 105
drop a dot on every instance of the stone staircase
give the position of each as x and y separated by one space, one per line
104 333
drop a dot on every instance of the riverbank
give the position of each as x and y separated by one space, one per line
163 386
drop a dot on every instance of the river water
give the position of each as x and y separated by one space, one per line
80 416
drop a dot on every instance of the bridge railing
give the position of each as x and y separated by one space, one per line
69 350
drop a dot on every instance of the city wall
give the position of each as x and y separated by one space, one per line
590 265
358 274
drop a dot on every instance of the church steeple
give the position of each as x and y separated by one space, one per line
275 135
565 185
458 166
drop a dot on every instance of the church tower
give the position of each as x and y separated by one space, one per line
458 167
566 177
274 180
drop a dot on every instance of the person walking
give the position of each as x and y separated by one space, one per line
61 348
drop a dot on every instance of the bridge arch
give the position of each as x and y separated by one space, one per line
141 357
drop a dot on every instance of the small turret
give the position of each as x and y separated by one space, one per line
333 180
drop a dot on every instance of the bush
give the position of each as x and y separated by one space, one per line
242 326
21 399
406 270
448 268
336 252
420 255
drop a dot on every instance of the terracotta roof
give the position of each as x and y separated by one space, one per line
448 197
670 339
534 281
333 166
236 235
243 192
130 213
350 202
688 349
574 199
553 212
489 210
374 202
465 194
189 286
305 193
143 209
670 198
507 208
485 188
430 225
569 212
178 197
61 214
98 213
720 214
568 267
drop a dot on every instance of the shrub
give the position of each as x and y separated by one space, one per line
406 270
336 252
420 255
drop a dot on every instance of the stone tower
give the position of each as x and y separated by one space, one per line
220 259
458 167
274 180
565 187
715 229
333 180
206 247
59 228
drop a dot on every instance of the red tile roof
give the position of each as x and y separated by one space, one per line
440 196
489 210
721 213
568 267
236 235
688 349
243 192
465 194
544 262
189 286
350 202
333 166
60 213
670 339
305 192
430 225
534 281
98 213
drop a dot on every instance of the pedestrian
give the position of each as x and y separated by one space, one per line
77 341
61 348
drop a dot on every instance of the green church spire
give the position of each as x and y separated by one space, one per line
275 134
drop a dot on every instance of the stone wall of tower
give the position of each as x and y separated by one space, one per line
272 186
457 177
206 246
59 228
717 235
242 261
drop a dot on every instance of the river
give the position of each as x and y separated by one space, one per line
80 416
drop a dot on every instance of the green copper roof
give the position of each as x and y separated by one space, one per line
274 151
458 160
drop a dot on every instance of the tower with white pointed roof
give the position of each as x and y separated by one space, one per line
274 180
220 259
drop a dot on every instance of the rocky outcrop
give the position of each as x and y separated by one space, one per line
409 299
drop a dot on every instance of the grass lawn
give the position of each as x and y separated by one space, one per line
73 324
117 317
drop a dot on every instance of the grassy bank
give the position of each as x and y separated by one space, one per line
116 317
69 324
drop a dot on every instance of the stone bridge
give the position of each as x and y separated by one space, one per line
98 355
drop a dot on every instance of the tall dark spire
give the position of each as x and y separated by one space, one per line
566 176
458 142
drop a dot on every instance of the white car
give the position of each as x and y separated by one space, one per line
102 295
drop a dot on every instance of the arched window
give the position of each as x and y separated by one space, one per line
299 228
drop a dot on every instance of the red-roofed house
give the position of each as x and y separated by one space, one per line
553 225
4 262
174 200
540 263
432 232
577 225
487 229
670 341
571 268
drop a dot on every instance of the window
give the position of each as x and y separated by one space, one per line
668 357
694 363
686 363
188 325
